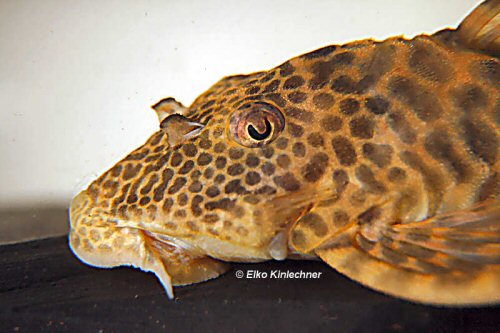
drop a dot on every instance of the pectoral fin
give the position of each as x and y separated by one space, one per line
451 259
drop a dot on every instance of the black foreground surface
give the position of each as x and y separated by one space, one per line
44 288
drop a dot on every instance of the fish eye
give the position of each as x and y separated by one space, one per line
256 124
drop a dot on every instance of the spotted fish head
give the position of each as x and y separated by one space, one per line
230 174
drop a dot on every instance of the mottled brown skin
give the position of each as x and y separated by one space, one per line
378 136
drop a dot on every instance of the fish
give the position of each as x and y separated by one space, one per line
379 158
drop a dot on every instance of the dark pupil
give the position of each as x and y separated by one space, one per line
254 134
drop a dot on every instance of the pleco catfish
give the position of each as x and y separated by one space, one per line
377 157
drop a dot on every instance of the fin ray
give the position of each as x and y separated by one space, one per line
480 30
451 259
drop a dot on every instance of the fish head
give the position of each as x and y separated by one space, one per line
227 175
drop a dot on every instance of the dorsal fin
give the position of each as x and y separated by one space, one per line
167 107
179 128
480 30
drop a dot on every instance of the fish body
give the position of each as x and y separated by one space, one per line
378 157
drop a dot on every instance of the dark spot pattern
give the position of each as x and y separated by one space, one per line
469 98
299 114
182 199
273 86
341 180
288 182
167 205
432 178
331 123
396 175
320 53
177 185
159 191
314 222
297 97
299 239
208 173
236 153
344 150
315 139
323 101
252 90
349 106
316 167
345 85
195 187
149 185
282 143
204 159
377 105
116 171
488 70
422 102
234 186
276 98
205 143
283 161
252 160
370 215
340 219
219 179
268 152
252 178
131 171
220 162
490 188
186 167
380 155
190 150
268 169
295 130
235 169
144 201
176 159
299 149
219 147
367 177
323 70
429 63
210 218
212 191
286 69
266 189
293 82
481 139
362 127
398 123
195 205
439 146
380 63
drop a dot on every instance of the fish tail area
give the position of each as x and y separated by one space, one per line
452 259
480 30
